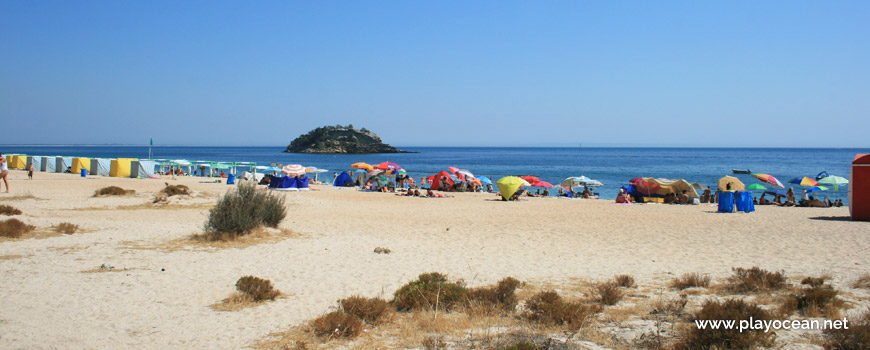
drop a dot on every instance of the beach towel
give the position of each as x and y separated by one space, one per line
726 202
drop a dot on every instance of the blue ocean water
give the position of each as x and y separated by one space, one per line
612 166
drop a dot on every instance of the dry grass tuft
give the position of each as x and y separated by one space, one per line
65 228
382 250
755 279
257 288
242 210
862 282
625 281
691 280
14 228
434 343
814 281
523 345
670 307
337 324
370 310
9 210
20 197
731 309
856 337
174 190
816 301
609 293
501 297
548 308
112 191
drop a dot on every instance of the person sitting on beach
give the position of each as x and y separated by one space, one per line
546 193
814 203
585 194
515 197
827 202
223 175
623 197
789 200
762 200
683 198
705 197
670 198
755 200
838 203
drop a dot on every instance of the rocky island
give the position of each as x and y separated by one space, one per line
340 139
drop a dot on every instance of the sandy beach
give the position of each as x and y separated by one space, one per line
159 292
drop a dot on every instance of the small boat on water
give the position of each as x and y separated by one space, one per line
741 171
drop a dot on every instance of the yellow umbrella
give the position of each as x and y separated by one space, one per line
363 166
509 185
736 184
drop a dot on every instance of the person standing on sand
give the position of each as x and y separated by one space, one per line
30 170
4 171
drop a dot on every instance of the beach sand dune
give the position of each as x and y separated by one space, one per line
158 293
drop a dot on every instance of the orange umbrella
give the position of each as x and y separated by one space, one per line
363 166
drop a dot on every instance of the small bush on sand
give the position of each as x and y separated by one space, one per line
814 281
609 293
65 228
854 338
337 324
673 307
815 301
242 210
523 345
430 291
731 309
625 281
14 228
691 280
755 279
9 210
548 307
112 191
501 296
174 190
434 343
862 282
370 310
257 288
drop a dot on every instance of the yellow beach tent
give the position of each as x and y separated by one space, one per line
121 167
81 163
17 161
736 184
509 185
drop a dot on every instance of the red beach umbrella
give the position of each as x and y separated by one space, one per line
542 184
530 179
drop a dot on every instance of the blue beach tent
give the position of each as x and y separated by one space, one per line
302 183
343 180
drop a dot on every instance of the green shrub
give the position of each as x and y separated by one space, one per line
242 210
755 279
337 324
112 191
257 288
855 338
14 228
501 296
9 210
430 291
548 307
690 280
370 310
722 338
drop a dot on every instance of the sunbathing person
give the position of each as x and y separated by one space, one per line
789 200
814 203
683 198
705 197
670 198
416 193
623 197
586 194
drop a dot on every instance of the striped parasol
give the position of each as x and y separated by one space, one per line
293 169
768 179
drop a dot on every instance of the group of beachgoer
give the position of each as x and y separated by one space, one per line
415 192
806 200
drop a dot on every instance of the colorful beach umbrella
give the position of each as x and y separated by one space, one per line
648 187
509 185
803 181
756 187
542 184
388 166
529 178
485 180
768 179
293 169
363 166
817 188
834 180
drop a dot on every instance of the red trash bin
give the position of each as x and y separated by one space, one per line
859 188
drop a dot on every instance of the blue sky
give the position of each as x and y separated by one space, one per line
437 73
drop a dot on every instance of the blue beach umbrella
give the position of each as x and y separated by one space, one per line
485 180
